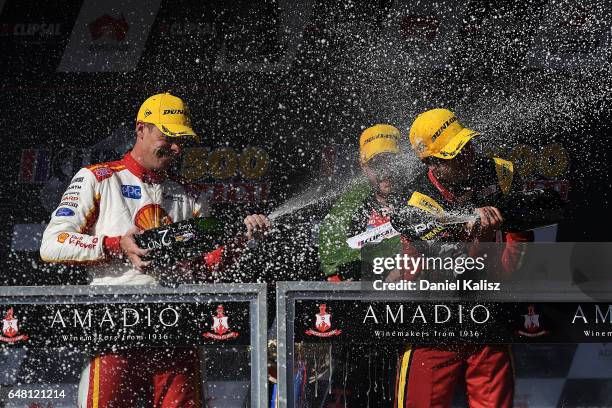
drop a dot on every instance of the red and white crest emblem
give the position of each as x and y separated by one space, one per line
10 325
220 327
532 324
532 320
10 328
323 324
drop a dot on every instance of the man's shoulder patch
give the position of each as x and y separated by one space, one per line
102 173
104 170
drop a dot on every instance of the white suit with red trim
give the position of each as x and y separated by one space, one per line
102 203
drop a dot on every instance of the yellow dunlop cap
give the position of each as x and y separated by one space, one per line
378 139
439 133
169 113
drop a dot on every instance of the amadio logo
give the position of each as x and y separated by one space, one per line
532 326
323 324
10 329
220 327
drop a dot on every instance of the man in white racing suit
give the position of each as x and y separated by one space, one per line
104 206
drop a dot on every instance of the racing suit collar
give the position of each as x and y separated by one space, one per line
146 175
475 183
446 193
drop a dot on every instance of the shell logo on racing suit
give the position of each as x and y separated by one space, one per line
151 216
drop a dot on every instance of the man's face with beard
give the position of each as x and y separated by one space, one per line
157 151
457 170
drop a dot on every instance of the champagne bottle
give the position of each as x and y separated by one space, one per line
182 240
522 211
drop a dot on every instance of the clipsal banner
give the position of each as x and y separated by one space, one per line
109 36
10 329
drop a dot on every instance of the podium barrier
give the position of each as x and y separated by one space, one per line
49 332
557 332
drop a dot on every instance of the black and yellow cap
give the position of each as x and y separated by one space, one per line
439 133
377 139
169 114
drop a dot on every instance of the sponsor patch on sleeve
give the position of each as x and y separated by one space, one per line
102 173
64 212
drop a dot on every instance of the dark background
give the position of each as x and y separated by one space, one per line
300 80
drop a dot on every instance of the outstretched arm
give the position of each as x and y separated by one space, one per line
67 237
